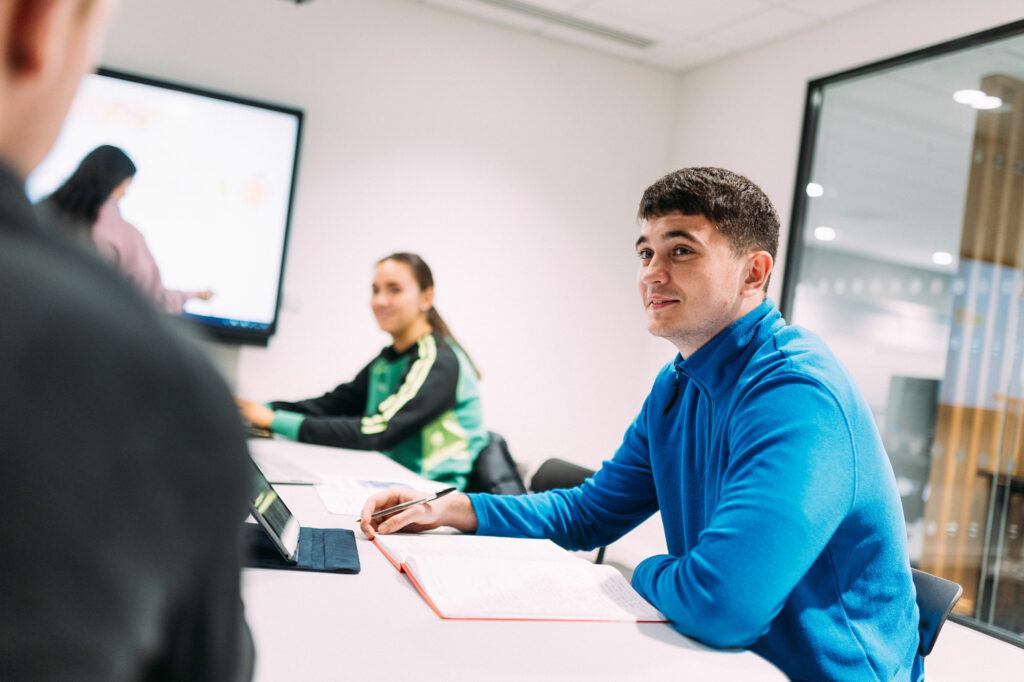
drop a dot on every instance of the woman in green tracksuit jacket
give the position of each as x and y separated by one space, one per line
417 401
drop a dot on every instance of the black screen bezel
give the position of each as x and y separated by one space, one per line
229 333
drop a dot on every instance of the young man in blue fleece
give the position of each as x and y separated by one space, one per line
783 523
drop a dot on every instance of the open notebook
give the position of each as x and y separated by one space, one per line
481 577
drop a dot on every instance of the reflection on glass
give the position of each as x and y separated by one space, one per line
909 263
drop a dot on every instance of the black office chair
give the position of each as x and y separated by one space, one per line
558 473
935 599
495 471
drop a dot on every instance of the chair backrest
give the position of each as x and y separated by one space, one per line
557 473
935 599
495 471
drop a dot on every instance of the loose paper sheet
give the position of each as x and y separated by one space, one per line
346 495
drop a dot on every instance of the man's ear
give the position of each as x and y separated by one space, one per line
30 33
759 266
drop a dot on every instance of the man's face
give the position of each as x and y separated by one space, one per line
690 280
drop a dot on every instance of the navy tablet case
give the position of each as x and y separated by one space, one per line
320 549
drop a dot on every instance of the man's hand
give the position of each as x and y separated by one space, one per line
255 413
453 510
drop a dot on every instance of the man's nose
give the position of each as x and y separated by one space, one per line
653 272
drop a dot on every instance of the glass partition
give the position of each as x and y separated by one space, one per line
905 255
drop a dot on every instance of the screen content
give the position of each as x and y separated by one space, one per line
273 511
211 195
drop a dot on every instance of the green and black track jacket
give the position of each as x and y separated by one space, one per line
420 407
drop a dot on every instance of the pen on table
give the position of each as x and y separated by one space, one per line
405 505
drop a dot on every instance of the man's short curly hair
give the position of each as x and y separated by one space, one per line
738 208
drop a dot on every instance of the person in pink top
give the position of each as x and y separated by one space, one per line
89 200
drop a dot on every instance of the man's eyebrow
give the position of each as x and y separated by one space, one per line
673 234
676 234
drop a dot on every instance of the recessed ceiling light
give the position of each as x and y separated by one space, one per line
977 99
942 258
988 102
825 234
814 189
968 96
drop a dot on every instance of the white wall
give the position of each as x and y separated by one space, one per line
746 112
512 164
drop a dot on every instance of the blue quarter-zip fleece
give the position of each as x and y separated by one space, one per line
781 514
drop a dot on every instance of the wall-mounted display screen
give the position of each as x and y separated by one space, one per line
212 194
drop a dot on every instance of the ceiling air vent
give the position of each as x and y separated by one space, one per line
572 22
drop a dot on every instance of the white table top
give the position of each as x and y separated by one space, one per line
320 626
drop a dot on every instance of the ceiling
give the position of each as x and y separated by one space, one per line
671 34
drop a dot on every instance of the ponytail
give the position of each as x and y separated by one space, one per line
438 324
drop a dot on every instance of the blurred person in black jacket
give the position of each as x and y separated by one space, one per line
123 478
